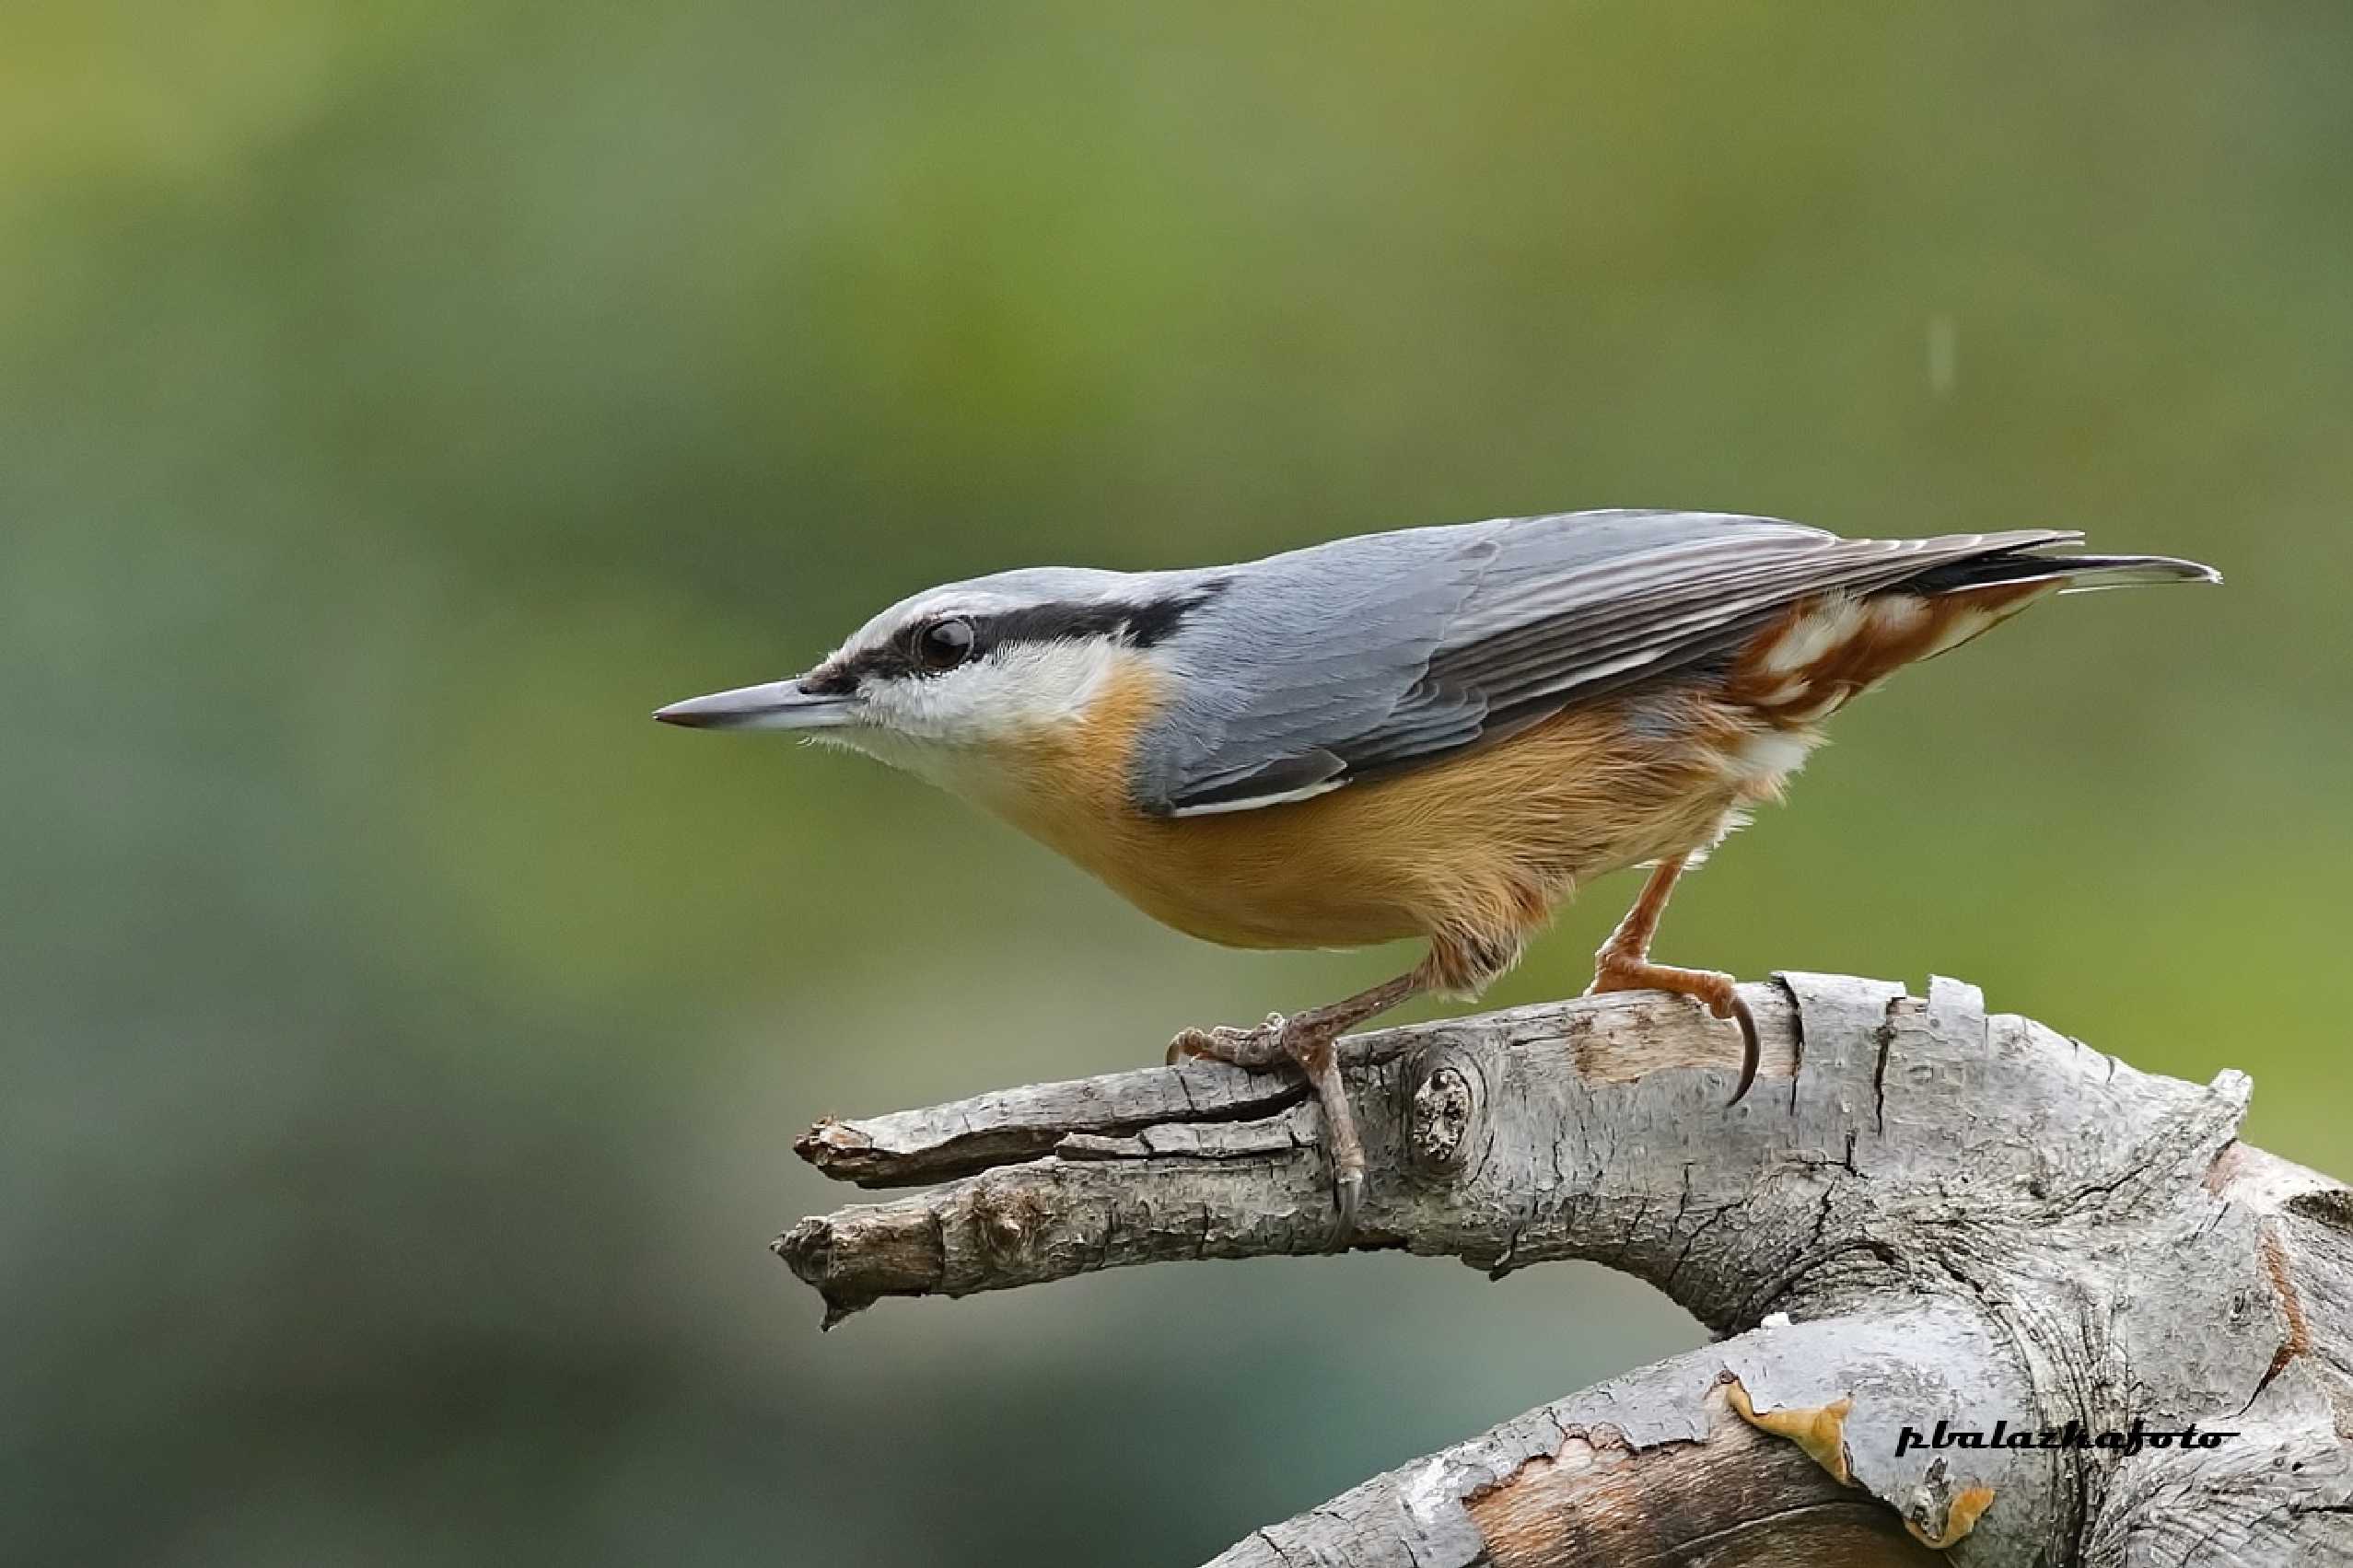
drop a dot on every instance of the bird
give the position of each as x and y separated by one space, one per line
1436 733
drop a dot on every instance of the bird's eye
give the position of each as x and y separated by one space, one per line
944 644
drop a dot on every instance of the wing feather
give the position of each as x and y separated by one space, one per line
1390 651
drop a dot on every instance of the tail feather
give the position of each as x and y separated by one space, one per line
2088 573
2081 573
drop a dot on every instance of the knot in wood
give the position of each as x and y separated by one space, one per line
1009 1222
1442 1116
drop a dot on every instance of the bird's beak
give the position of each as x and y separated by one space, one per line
779 704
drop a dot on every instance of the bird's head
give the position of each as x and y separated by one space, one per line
999 662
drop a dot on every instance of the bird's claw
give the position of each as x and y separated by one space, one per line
1190 1044
1347 1200
1724 1002
1275 1043
1752 1049
1720 993
1262 1047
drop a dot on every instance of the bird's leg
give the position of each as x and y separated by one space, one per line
1306 1039
1624 964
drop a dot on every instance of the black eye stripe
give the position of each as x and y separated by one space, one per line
1140 625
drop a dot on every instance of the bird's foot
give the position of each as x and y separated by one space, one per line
1629 971
1255 1048
1304 1042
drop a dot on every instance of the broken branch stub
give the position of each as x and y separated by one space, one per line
1962 1219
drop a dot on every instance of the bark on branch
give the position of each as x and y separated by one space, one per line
1920 1213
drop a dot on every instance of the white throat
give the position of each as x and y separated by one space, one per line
942 727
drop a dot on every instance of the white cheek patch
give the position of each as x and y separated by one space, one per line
1011 693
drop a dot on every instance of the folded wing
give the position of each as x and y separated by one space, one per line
1369 655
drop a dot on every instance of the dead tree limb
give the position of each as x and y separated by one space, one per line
1920 1215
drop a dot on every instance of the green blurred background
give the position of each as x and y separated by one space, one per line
404 1037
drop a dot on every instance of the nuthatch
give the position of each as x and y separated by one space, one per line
1437 732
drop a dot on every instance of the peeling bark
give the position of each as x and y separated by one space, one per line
1920 1213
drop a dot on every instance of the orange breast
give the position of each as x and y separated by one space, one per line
1480 847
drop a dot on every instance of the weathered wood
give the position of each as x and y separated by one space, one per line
1658 1468
1944 1216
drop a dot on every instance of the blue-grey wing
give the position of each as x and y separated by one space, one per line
1296 663
1390 651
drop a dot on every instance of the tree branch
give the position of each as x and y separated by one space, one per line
1964 1218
